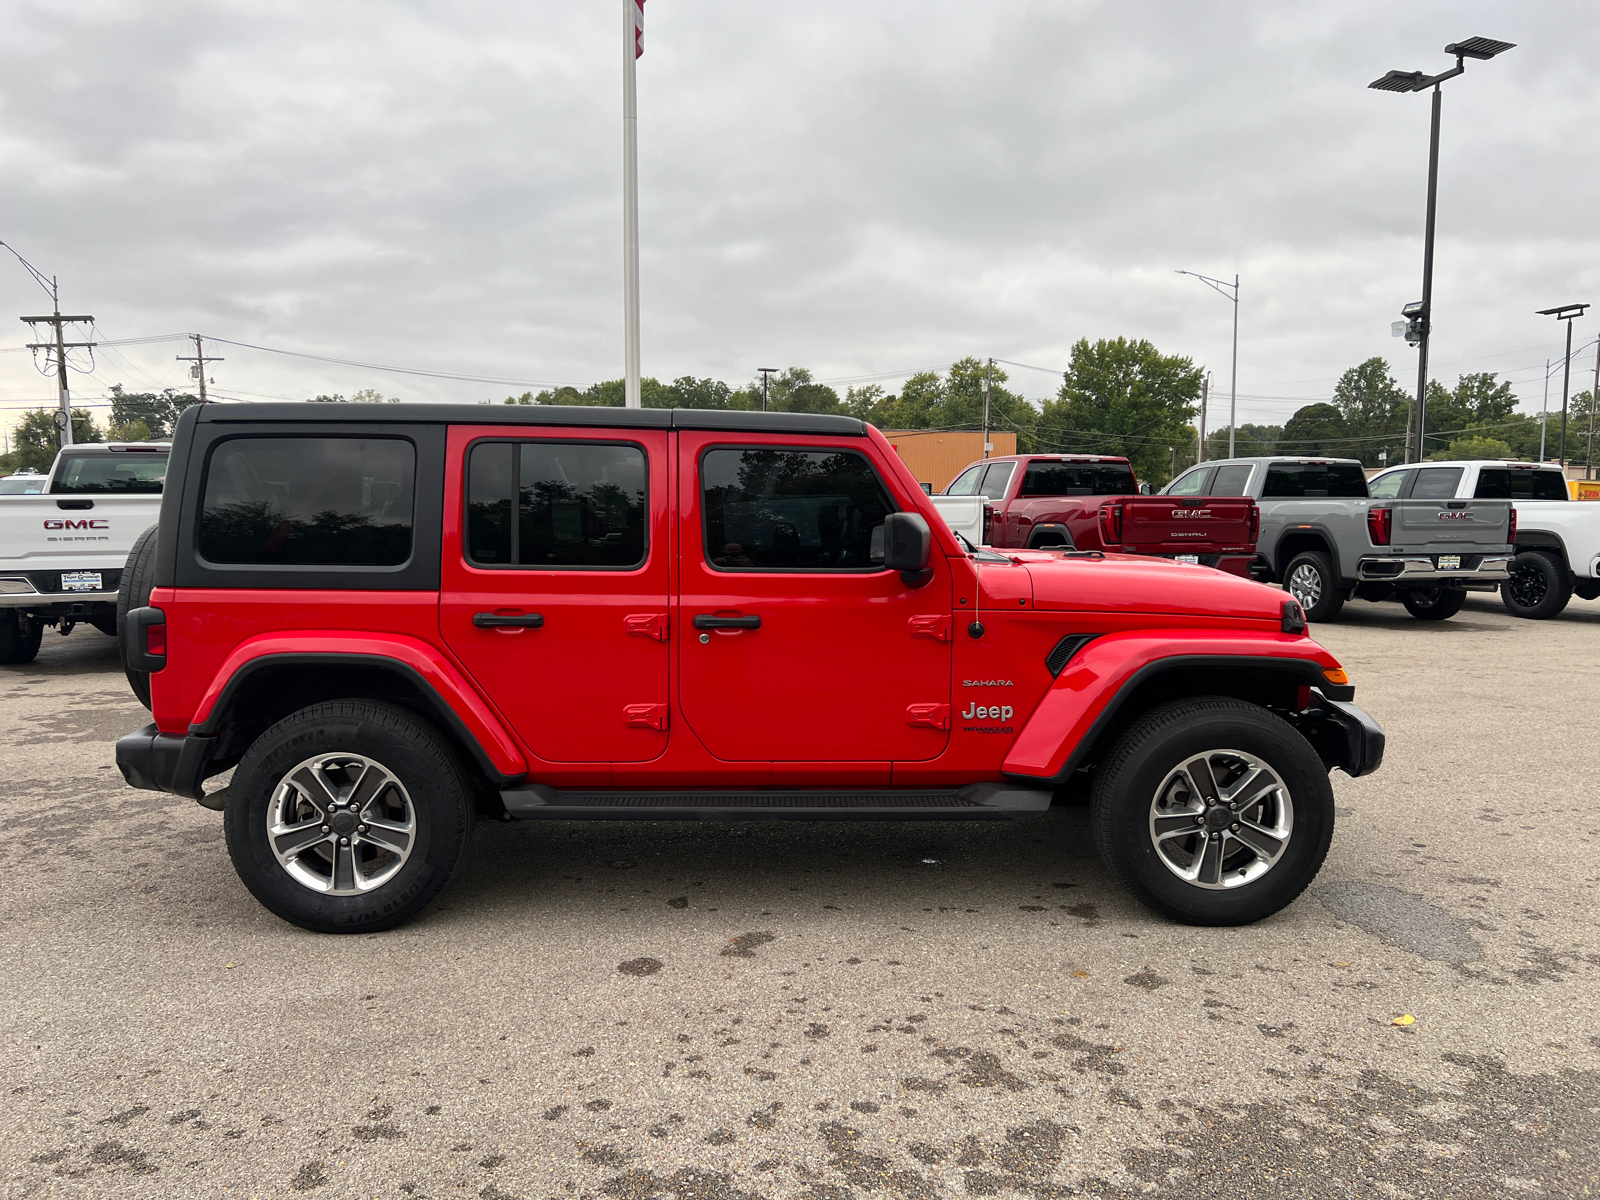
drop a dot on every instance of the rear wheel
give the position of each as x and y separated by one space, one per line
1311 581
138 580
1433 604
1539 586
348 816
19 638
1213 811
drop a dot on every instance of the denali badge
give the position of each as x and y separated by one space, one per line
986 683
1181 514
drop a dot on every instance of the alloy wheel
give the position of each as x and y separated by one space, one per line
1221 819
1305 585
341 824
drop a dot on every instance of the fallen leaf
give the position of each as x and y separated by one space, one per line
1407 1019
1338 964
1080 974
230 967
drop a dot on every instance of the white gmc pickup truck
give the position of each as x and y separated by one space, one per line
1557 538
62 551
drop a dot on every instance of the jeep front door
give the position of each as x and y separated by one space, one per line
555 584
795 644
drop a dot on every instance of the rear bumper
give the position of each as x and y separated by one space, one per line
165 762
1424 570
59 602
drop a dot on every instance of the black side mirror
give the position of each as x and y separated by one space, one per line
908 547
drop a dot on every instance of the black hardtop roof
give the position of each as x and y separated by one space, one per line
301 413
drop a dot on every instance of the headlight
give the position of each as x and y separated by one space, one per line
13 587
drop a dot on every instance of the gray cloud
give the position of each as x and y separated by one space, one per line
852 187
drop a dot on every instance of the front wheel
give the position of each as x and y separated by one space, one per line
1539 586
1433 604
1309 579
348 816
1213 811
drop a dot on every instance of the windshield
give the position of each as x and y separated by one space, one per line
130 474
1078 479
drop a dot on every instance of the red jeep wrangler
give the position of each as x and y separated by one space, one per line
391 622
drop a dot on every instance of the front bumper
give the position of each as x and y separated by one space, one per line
165 762
1343 735
1424 570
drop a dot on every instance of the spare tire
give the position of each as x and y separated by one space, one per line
138 579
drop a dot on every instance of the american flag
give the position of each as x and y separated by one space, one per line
638 28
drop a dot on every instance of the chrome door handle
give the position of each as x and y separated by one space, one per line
501 621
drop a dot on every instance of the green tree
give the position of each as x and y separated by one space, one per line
1124 397
372 396
133 431
1316 429
1473 447
953 400
1251 441
159 411
1375 410
36 438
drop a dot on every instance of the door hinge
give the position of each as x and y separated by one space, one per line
645 716
935 627
650 625
928 716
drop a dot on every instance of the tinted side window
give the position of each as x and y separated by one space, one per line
309 501
1436 483
792 510
996 478
1078 479
574 504
118 473
1291 481
966 483
1189 484
1387 487
1506 483
1231 481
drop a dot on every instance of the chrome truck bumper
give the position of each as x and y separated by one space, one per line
1424 570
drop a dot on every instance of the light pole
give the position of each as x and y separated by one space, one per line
766 373
1221 287
1483 49
1567 313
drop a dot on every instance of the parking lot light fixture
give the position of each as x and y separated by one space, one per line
1481 49
1229 291
1567 313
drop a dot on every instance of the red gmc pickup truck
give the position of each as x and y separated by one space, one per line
1092 502
392 623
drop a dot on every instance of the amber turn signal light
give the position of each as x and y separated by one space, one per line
1335 675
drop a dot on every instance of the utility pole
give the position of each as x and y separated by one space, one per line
1205 393
59 349
766 373
1594 400
199 359
1544 419
988 372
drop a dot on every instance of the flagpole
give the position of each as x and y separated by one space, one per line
632 46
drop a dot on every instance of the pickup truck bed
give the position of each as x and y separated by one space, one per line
62 552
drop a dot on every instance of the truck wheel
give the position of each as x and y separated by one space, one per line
1433 604
16 646
1213 811
1539 586
1310 580
348 816
138 579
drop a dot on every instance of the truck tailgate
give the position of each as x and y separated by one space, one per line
1451 525
1168 525
55 533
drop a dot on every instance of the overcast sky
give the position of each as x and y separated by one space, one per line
860 188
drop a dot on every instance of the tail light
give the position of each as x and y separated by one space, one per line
1255 524
1511 533
1111 525
155 640
1379 522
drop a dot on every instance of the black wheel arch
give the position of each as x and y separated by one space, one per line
1303 541
1050 535
1538 539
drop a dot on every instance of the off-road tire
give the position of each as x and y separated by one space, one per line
1165 738
17 647
1539 587
138 580
413 752
1433 604
1318 588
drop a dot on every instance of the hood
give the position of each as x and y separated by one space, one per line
1126 583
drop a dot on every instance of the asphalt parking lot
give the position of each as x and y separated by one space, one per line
824 1011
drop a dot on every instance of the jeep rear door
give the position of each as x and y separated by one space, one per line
794 644
555 580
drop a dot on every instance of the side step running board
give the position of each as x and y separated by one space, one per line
976 801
